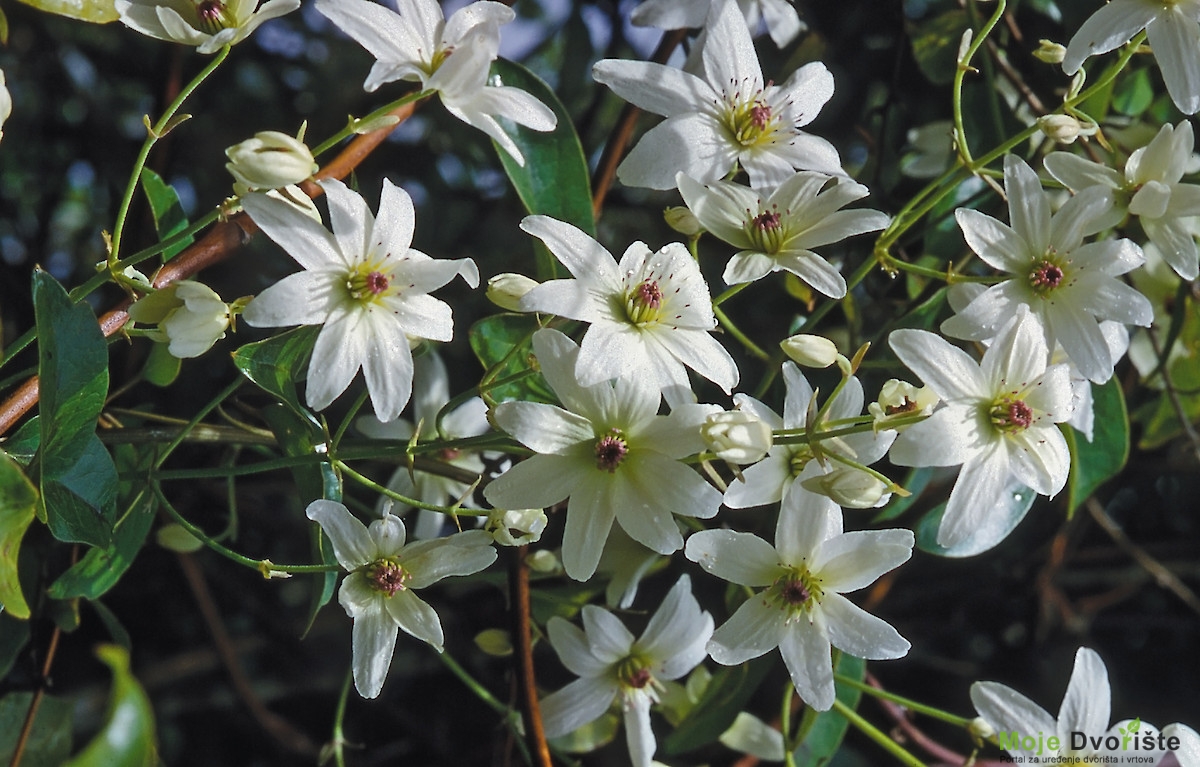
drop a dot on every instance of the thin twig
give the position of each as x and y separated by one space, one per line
518 585
31 714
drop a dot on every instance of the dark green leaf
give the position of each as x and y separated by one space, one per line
113 624
554 179
101 568
727 694
279 362
1094 463
18 503
935 44
23 444
14 635
80 500
1133 93
493 338
1007 512
823 731
162 367
50 737
915 482
169 218
127 738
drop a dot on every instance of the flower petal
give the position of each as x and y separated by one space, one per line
415 617
373 640
656 88
755 629
352 544
1007 710
690 143
1086 705
807 655
943 367
855 631
855 560
740 558
577 704
1175 39
573 649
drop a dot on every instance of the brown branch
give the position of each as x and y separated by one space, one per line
606 169
36 702
217 245
518 585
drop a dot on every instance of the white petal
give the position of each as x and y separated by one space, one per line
1086 705
415 617
352 545
464 553
338 354
543 428
943 367
1081 339
740 558
373 639
638 733
855 560
305 240
755 629
607 636
590 516
806 520
394 225
764 481
690 143
1176 244
947 438
382 32
1009 711
748 266
1028 208
583 256
388 367
857 632
303 298
573 649
730 60
653 87
350 218
993 241
808 90
807 655
980 482
1175 39
577 704
1076 173
1109 27
700 352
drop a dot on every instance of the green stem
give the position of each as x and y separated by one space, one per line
785 725
873 732
909 704
729 293
196 419
741 337
964 66
799 437
352 126
454 511
154 134
339 716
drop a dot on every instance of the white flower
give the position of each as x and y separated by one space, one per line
1188 753
515 527
1149 189
609 452
270 160
931 150
383 572
1171 27
1069 287
1084 712
207 24
650 314
802 611
733 117
450 56
364 284
898 399
783 474
780 230
998 419
611 663
783 23
737 436
190 316
431 390
5 103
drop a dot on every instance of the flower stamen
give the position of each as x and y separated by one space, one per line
1011 416
1045 276
610 451
387 577
644 303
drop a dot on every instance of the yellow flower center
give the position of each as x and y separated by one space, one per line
633 673
369 282
800 457
750 119
796 591
1047 274
643 304
1011 416
765 230
387 576
214 16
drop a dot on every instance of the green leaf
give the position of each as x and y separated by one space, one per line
916 482
127 738
1133 93
1094 463
79 501
18 503
162 367
101 568
554 179
1010 508
14 635
49 741
492 340
823 731
935 44
24 442
727 693
95 11
169 218
279 362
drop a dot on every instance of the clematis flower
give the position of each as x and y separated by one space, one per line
1173 29
612 664
782 21
1069 287
209 25
431 390
270 160
731 116
450 56
790 472
780 230
383 573
364 285
1085 709
997 419
650 314
801 609
1149 189
190 316
609 452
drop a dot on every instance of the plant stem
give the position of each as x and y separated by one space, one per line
873 732
909 704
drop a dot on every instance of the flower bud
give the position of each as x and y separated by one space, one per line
1050 52
809 350
850 488
1061 128
543 561
494 642
980 729
737 436
270 160
190 317
683 221
900 398
515 527
506 290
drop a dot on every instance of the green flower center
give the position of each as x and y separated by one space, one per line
610 450
766 231
214 16
1046 275
439 58
796 591
800 457
643 304
633 673
750 120
1011 416
387 576
368 283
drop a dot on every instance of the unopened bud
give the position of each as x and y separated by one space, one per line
494 642
737 436
515 527
543 561
506 290
1050 52
683 221
810 351
980 729
1061 128
190 316
270 160
850 488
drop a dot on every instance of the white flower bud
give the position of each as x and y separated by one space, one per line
980 729
1061 128
809 350
1050 52
506 289
737 436
850 488
899 398
270 160
527 524
682 220
543 561
190 317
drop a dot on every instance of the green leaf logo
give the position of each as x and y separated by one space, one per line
1132 727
